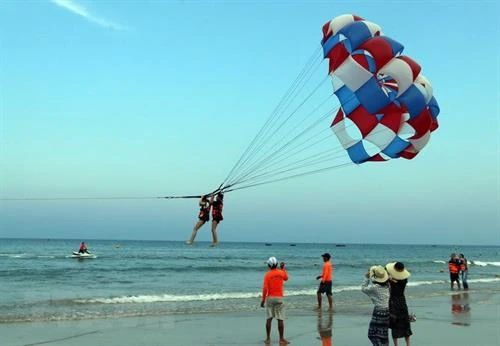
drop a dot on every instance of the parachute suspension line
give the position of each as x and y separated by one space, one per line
264 138
282 159
325 156
261 145
265 156
347 164
305 70
278 154
308 162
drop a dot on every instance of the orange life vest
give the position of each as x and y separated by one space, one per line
453 267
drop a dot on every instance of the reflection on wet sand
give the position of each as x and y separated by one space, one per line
325 329
460 309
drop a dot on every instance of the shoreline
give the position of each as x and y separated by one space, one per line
460 318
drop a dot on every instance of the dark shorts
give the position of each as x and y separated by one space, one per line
204 218
217 218
325 287
454 277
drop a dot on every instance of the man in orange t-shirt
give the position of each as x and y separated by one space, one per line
326 281
272 297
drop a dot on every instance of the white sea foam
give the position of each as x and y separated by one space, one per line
14 255
472 262
424 283
484 264
487 280
165 298
169 298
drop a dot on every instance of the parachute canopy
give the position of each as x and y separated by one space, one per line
387 106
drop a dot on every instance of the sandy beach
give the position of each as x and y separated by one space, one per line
449 318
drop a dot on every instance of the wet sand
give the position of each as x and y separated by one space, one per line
457 319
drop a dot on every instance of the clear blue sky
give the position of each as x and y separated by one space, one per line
152 98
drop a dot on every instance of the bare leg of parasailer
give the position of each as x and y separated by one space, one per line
195 231
215 240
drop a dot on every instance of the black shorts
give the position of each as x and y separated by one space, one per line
217 218
454 277
325 287
204 218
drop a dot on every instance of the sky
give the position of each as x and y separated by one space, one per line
105 99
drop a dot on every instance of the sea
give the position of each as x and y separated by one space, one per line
40 281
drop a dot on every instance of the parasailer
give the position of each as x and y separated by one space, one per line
387 106
212 203
217 206
203 217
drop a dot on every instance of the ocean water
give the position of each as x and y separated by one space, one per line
39 281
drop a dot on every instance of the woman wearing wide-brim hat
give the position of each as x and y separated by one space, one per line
398 309
376 287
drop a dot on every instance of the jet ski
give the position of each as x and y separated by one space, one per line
83 255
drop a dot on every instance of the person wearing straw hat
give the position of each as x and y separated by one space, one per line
399 322
376 287
272 298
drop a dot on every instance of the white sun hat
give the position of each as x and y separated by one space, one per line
272 261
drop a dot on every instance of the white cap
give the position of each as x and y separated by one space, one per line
272 261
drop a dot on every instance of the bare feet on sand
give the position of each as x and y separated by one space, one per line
284 342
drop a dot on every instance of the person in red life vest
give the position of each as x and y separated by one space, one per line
454 269
83 248
272 298
325 285
203 217
217 206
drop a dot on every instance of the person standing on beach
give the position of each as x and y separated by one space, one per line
217 206
454 269
325 286
272 298
203 217
464 270
376 287
398 309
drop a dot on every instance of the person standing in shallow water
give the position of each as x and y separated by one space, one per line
376 287
217 206
325 286
454 269
272 298
464 270
203 217
399 322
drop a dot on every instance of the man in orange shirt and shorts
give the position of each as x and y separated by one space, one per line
272 298
326 281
